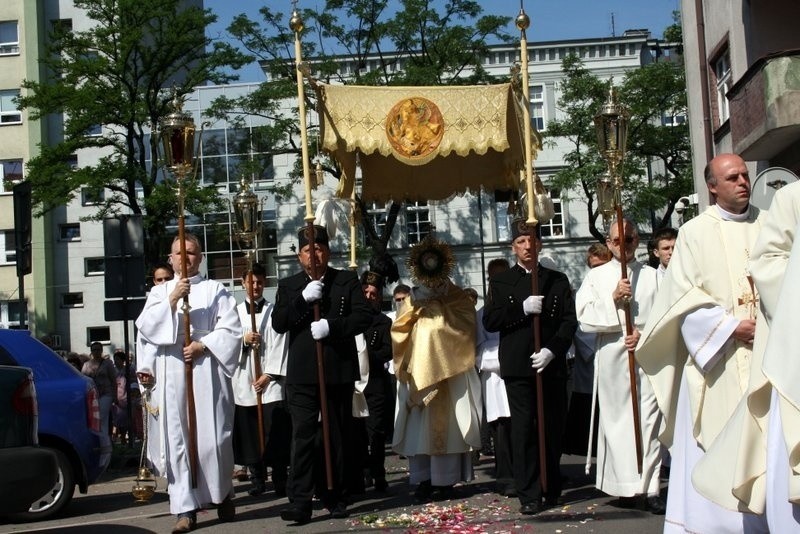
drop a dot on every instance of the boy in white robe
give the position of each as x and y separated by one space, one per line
268 385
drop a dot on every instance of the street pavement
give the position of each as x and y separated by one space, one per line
474 508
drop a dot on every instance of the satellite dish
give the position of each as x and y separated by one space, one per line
767 182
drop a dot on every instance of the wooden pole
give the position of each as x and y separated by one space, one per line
522 23
188 367
632 374
255 354
296 24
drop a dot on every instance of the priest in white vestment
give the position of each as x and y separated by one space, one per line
437 419
765 430
599 305
216 337
697 343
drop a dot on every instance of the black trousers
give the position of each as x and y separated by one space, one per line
308 461
503 454
381 414
522 394
277 439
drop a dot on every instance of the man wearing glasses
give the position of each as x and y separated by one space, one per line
600 305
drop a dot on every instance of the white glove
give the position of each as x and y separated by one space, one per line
532 304
539 360
313 291
320 329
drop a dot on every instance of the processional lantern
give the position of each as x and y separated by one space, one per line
177 132
177 139
246 215
611 125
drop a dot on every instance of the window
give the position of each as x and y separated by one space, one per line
555 226
8 247
502 221
722 78
12 312
379 213
9 113
94 130
94 266
10 174
92 198
9 37
72 300
70 232
537 107
673 118
98 333
418 222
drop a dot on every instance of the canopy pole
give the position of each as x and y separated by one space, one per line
523 22
296 25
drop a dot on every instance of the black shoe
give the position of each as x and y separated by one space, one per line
442 493
507 491
551 502
339 511
298 515
628 502
381 485
655 505
423 492
257 488
226 510
280 489
530 508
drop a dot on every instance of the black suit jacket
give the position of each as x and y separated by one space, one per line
503 313
379 347
348 314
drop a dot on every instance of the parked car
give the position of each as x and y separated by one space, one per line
69 420
26 470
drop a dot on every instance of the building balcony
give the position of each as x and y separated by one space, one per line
765 107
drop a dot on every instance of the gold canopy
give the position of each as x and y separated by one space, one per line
423 143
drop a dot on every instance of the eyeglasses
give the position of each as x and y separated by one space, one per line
165 279
628 240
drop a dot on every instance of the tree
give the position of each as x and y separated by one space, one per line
114 75
434 46
656 170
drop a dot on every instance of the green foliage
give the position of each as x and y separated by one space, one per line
114 75
657 165
433 46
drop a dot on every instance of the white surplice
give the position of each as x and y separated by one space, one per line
617 470
487 359
214 321
274 351
698 372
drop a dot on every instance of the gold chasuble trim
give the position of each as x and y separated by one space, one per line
423 143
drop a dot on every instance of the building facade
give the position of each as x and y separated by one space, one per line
742 75
475 224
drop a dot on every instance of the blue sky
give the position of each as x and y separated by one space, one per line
550 20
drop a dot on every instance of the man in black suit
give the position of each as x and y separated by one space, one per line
344 313
379 393
509 312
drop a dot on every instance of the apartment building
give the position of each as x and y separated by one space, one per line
742 69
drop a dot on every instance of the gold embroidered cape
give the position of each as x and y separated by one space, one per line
433 340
